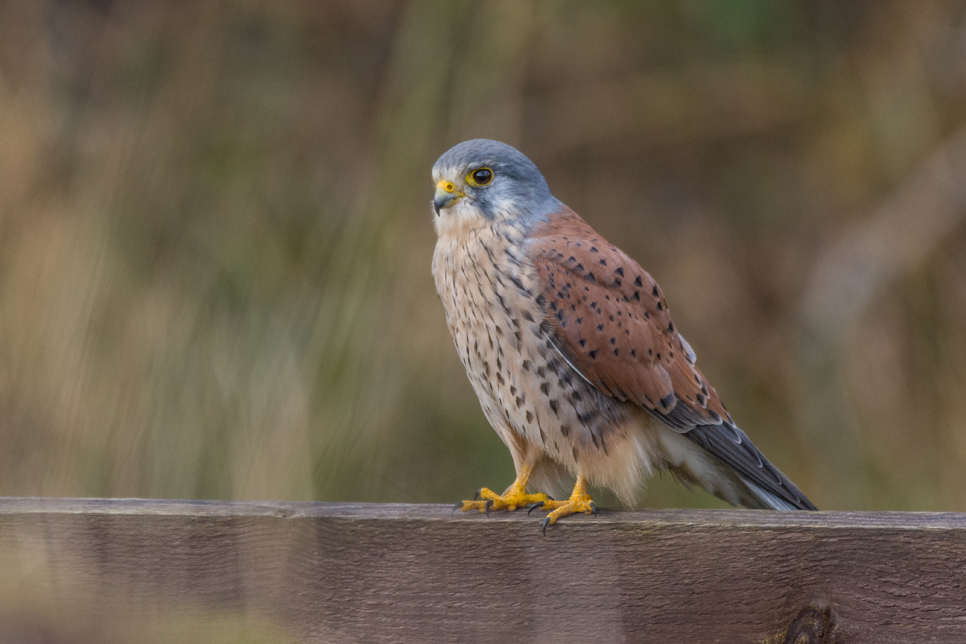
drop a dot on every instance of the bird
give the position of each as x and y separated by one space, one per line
570 347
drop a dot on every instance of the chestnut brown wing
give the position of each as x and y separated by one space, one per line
611 322
615 326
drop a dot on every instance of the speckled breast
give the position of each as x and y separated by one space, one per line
525 385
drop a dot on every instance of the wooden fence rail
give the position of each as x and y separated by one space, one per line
82 570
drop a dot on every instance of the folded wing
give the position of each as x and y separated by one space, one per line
611 321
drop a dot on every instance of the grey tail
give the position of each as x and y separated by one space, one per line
770 501
767 488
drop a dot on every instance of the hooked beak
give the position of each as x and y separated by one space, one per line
446 195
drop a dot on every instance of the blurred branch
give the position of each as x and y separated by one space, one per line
849 273
896 238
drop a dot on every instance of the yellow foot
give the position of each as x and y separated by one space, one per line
514 497
579 501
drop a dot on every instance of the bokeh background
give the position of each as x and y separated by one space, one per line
215 233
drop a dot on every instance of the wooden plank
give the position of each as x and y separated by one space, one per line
324 572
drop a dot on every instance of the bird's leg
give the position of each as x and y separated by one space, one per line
579 501
512 498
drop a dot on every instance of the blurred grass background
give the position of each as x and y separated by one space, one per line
215 233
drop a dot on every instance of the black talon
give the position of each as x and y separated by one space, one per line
534 507
458 506
487 506
593 509
476 497
546 522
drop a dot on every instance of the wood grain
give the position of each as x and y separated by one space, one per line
324 572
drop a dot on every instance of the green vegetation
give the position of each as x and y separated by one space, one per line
216 234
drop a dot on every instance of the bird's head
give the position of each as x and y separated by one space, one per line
481 181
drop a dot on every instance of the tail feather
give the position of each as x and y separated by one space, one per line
770 501
765 483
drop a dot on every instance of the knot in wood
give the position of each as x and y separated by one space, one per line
812 625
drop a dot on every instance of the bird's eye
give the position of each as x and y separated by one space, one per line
480 177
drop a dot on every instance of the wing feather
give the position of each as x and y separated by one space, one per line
611 323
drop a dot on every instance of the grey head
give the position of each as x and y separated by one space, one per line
492 179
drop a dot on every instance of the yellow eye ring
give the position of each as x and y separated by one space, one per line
480 177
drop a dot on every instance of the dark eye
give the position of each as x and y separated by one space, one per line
481 177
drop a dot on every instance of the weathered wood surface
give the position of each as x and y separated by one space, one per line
324 572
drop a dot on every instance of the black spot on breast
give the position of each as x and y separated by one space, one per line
603 262
593 249
580 320
660 307
526 365
519 401
541 301
613 340
513 390
619 270
670 327
582 343
655 292
634 353
540 372
593 354
545 388
636 297
638 282
600 327
529 416
565 430
553 406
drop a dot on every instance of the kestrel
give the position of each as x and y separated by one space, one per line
571 350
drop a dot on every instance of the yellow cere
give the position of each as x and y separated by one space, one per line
446 186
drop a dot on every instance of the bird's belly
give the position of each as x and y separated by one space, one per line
526 387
